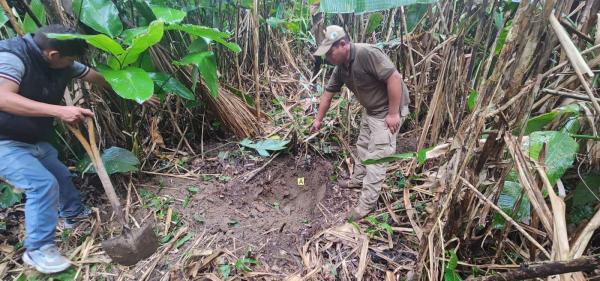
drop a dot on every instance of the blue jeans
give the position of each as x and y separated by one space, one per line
35 169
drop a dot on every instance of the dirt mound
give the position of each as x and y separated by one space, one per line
272 215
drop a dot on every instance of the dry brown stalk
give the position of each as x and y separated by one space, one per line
505 216
528 183
543 270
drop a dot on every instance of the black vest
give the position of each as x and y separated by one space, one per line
39 83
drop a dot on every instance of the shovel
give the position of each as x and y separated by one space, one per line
132 245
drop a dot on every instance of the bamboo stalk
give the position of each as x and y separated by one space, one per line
255 39
573 54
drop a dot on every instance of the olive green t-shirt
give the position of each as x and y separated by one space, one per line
366 76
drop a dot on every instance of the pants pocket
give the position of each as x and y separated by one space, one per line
382 144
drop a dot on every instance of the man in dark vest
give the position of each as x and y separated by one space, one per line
34 72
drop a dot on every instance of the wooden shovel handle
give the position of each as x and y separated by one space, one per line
92 150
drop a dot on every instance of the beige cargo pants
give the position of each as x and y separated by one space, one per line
374 141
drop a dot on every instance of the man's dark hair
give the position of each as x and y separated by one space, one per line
66 48
337 43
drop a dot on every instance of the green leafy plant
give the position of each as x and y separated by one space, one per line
224 178
8 196
101 15
511 191
472 100
585 196
159 204
115 159
204 62
378 224
450 270
225 270
374 22
244 264
167 14
67 275
263 145
502 37
37 8
183 239
561 150
192 190
538 123
122 71
401 180
165 83
65 234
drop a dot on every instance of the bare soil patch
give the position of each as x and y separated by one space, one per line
272 215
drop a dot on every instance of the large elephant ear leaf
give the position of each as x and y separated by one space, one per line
100 15
207 64
37 8
561 150
115 159
99 41
141 42
165 83
167 14
208 33
130 83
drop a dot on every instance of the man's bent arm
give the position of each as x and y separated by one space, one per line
96 78
16 104
394 88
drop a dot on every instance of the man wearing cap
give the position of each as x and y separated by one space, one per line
378 86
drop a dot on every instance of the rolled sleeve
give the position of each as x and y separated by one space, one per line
11 67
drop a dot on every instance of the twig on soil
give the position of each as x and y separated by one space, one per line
171 175
250 175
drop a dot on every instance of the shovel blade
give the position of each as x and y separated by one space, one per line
132 245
